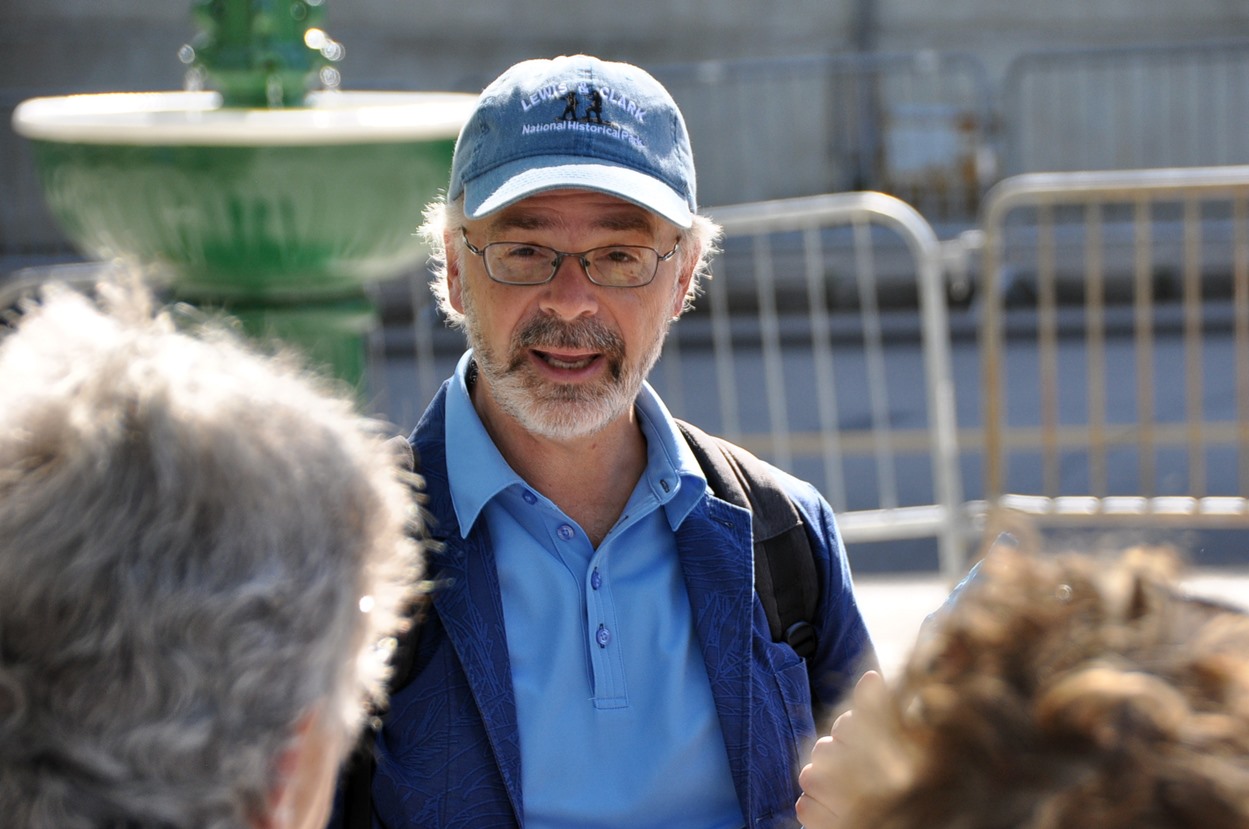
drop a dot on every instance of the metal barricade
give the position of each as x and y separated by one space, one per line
820 376
1115 346
1130 107
916 125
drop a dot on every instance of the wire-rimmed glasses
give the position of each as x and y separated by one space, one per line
613 266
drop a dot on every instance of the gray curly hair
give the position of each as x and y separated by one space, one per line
199 545
700 242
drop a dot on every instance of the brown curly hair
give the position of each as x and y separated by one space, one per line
1064 692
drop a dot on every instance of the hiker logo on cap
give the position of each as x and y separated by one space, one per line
581 108
572 100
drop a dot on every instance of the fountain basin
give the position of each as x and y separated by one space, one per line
289 204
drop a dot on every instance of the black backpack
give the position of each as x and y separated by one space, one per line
785 580
785 575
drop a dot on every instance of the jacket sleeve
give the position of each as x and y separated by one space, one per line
845 648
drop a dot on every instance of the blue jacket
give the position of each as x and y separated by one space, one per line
448 753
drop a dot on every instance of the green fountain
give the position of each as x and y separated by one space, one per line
263 189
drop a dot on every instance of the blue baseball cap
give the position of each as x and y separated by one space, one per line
575 122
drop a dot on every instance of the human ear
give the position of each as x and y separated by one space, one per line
682 286
302 790
454 275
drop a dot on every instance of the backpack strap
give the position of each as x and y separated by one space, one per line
785 576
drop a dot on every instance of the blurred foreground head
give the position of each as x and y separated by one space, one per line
1064 693
200 548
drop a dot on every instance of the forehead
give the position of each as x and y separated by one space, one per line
574 210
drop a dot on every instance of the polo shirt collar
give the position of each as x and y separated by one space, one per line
477 471
672 471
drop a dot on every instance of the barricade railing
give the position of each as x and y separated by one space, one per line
1126 107
916 125
1115 346
816 374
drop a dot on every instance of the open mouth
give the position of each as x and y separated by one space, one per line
566 362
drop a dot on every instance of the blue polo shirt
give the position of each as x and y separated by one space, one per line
618 726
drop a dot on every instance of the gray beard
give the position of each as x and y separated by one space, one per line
560 411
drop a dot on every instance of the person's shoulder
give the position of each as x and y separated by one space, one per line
429 443
803 493
799 489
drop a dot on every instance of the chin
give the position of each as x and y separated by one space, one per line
564 419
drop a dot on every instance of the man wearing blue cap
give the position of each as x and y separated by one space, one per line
595 654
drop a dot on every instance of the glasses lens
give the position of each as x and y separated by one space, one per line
519 264
623 265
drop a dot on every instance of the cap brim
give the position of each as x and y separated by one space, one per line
509 183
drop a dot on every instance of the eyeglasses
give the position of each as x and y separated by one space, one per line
613 266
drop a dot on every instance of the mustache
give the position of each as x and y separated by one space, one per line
584 334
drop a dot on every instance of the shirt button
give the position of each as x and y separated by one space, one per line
529 497
602 636
596 579
565 532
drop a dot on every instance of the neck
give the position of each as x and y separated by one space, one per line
589 477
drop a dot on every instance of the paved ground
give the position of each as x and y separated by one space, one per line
895 606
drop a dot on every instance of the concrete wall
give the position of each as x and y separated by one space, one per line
462 44
928 133
997 30
443 44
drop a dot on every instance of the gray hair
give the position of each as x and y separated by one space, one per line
199 545
699 242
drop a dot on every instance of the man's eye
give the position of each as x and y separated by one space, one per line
619 256
520 253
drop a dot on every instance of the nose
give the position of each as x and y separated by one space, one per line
570 293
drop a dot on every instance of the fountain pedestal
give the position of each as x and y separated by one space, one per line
281 216
258 196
